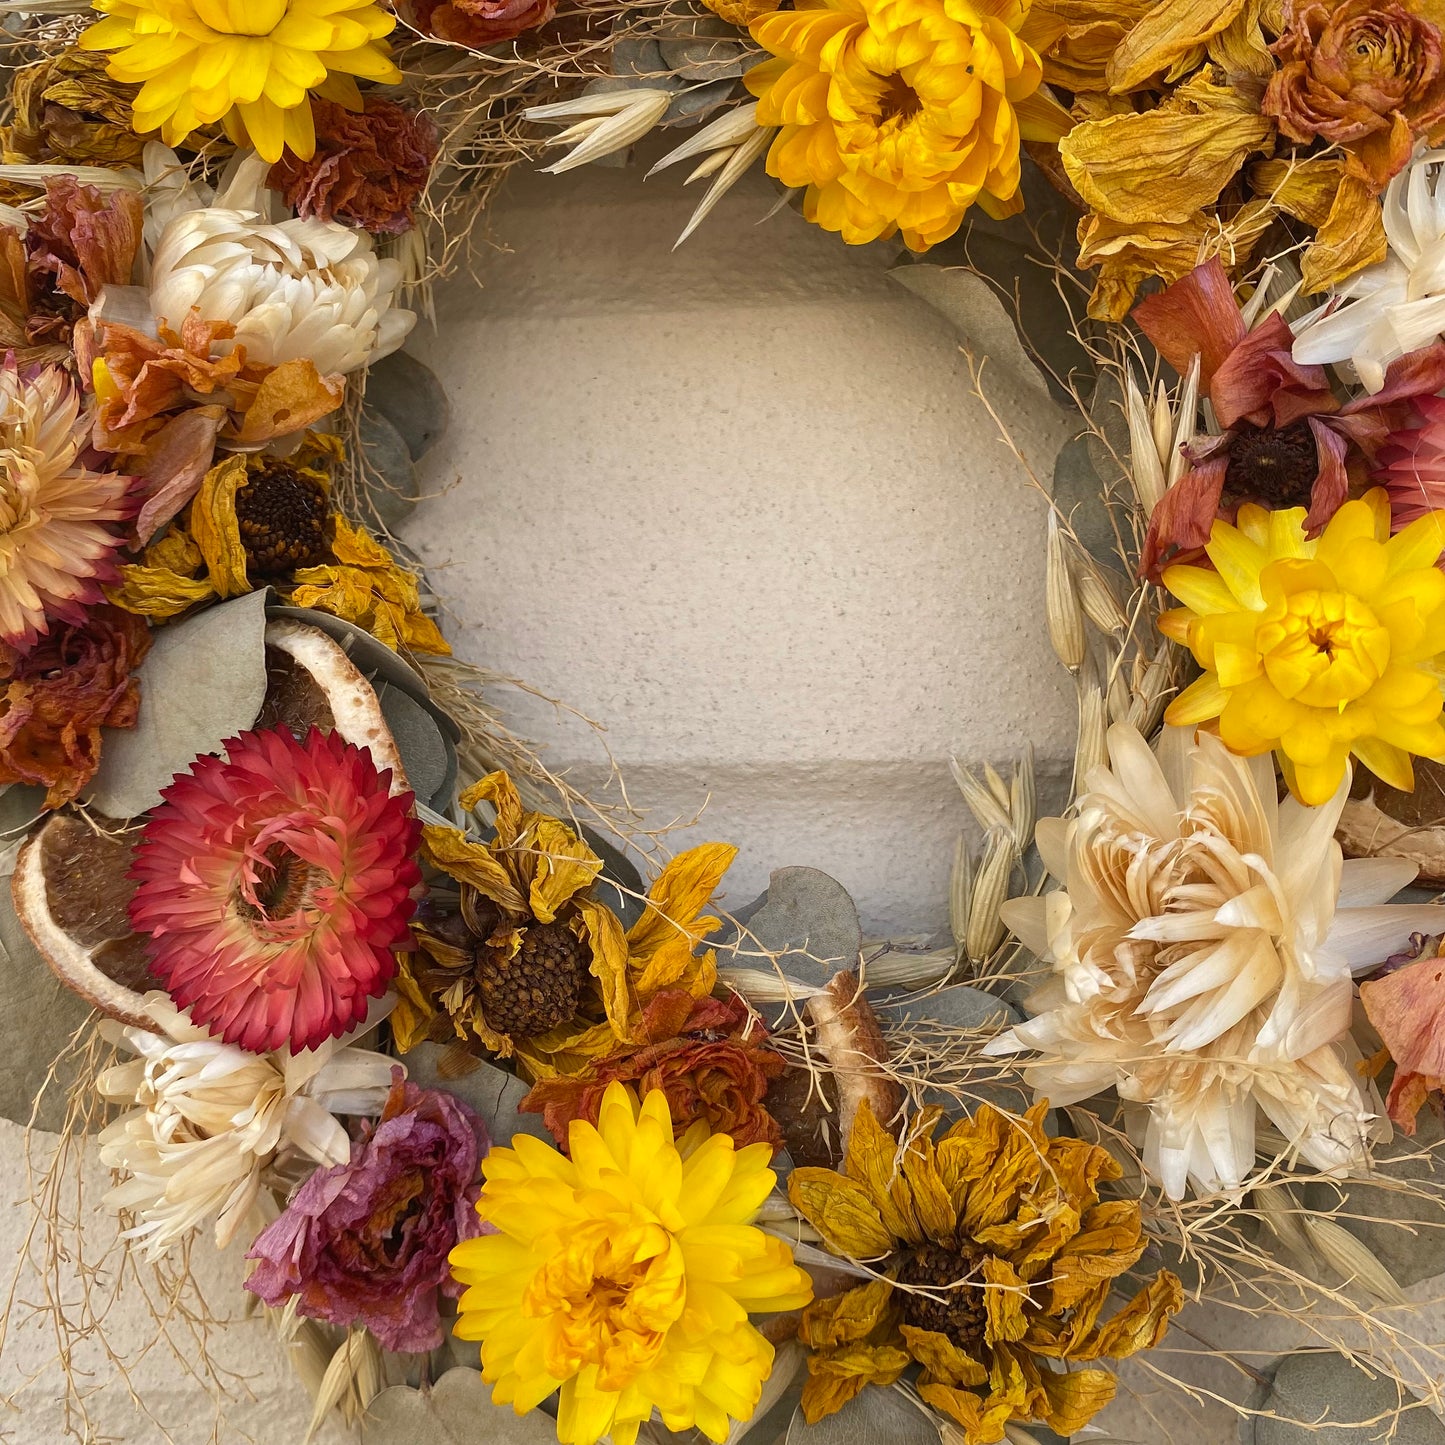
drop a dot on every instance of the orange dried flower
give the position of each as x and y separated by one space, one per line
75 681
368 170
1365 75
710 1059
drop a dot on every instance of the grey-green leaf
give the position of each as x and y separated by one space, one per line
457 1410
1322 1398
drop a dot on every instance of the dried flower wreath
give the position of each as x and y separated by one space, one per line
350 978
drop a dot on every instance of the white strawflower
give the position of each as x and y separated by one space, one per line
294 289
212 1119
1397 306
1202 950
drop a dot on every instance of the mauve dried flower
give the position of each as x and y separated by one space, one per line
368 170
366 1242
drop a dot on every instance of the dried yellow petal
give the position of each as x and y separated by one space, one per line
846 1318
841 1212
1162 166
454 853
1169 40
1075 1398
609 963
501 792
157 591
1140 1325
661 942
943 1359
1352 237
214 527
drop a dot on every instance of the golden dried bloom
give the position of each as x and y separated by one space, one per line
67 110
535 966
997 1256
898 115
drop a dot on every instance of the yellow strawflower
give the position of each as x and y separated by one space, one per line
624 1276
1319 648
249 63
897 115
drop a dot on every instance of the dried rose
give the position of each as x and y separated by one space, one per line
1365 75
479 23
711 1060
76 681
368 169
366 1242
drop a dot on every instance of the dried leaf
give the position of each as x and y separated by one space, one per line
457 1410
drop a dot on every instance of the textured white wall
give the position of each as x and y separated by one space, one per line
737 503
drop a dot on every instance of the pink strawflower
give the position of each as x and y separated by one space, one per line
274 884
1412 466
366 1242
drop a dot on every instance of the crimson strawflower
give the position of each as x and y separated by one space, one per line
274 884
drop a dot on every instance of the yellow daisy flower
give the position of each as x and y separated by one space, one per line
1317 649
897 115
624 1276
249 63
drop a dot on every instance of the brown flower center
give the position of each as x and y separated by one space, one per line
899 100
954 1302
1275 466
538 987
282 516
279 888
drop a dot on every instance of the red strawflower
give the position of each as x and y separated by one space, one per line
1412 467
1288 440
274 884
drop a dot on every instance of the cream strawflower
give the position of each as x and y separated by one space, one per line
1202 948
1397 306
57 544
295 290
212 1120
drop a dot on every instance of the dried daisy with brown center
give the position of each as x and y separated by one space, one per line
995 1254
283 517
531 964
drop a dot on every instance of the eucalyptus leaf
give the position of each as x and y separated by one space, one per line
411 397
1404 1229
974 306
808 923
203 681
492 1092
1319 1397
390 477
457 1410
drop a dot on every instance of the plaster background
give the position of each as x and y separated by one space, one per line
737 504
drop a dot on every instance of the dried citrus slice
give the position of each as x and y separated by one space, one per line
71 887
71 893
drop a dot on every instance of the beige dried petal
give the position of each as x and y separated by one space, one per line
1062 611
990 892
